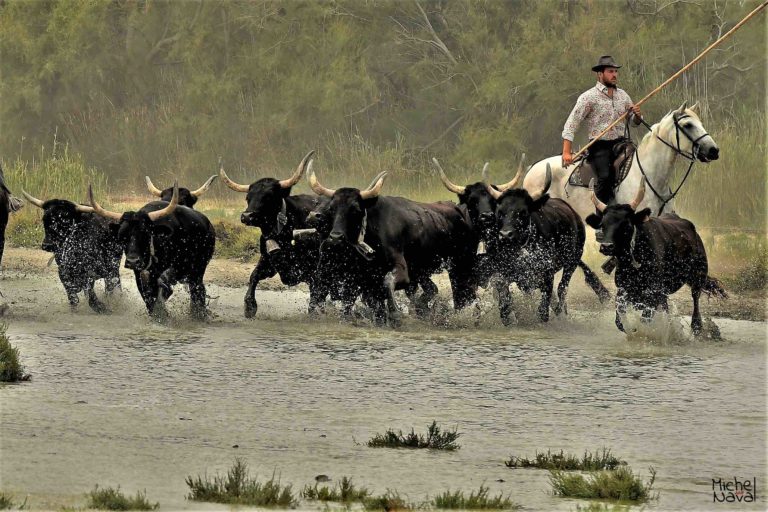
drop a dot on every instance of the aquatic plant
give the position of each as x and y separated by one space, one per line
389 501
436 439
108 498
597 506
11 369
600 460
344 491
479 500
618 484
6 502
237 487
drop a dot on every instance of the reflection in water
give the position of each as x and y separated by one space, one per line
120 401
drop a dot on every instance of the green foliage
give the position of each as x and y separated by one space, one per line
435 439
596 506
11 369
108 498
753 276
619 484
238 488
388 502
479 500
25 230
601 459
344 491
6 502
236 241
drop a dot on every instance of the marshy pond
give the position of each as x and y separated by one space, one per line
119 400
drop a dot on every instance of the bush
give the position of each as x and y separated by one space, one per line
113 499
10 368
238 488
619 484
435 439
588 462
344 491
387 502
236 241
481 500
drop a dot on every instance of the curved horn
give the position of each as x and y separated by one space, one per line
377 178
204 188
374 191
317 188
33 200
496 194
547 183
99 210
456 189
159 214
289 182
484 174
83 209
601 206
152 189
517 181
638 197
228 182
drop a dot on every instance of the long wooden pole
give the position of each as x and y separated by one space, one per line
683 70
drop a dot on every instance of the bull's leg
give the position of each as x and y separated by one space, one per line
696 323
72 297
112 282
546 296
197 307
562 290
146 282
318 291
505 298
263 270
93 300
397 278
165 283
621 308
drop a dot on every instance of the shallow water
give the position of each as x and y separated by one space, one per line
118 400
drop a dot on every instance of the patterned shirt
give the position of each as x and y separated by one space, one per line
599 110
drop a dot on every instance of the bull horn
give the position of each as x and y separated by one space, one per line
317 188
228 182
484 174
83 209
99 210
374 191
33 200
601 206
289 182
204 188
159 214
496 194
547 183
152 189
377 178
639 196
456 189
517 181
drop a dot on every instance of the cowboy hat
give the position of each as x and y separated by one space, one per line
606 61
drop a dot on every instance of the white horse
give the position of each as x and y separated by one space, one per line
679 134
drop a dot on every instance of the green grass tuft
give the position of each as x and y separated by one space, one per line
113 499
601 459
596 506
435 439
387 502
236 241
481 500
11 369
6 502
344 491
619 484
238 488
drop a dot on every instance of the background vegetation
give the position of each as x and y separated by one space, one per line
135 87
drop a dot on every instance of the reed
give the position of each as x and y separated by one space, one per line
435 439
344 491
475 501
619 484
601 459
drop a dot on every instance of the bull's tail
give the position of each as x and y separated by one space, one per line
594 282
714 288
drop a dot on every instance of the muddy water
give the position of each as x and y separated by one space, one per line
118 400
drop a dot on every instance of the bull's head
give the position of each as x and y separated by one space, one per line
59 217
618 222
481 205
265 196
186 197
515 206
341 219
136 231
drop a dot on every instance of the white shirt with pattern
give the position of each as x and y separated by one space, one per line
599 110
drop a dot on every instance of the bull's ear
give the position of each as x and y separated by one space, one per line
162 230
368 203
641 216
538 203
594 221
285 192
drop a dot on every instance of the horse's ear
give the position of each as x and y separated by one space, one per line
683 107
695 107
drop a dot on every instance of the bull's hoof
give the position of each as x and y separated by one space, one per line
199 313
250 308
99 307
395 319
159 312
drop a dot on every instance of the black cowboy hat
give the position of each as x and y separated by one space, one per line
606 61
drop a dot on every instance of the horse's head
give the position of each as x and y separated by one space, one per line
682 129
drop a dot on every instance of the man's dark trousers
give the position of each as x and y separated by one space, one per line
601 157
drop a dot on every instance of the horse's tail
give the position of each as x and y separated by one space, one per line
714 288
594 282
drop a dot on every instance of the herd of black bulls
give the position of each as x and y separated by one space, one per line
349 244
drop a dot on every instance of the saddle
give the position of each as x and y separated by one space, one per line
584 173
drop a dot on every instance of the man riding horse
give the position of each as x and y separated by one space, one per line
600 106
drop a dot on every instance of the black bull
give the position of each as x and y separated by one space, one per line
655 257
187 197
165 244
84 246
403 243
272 208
